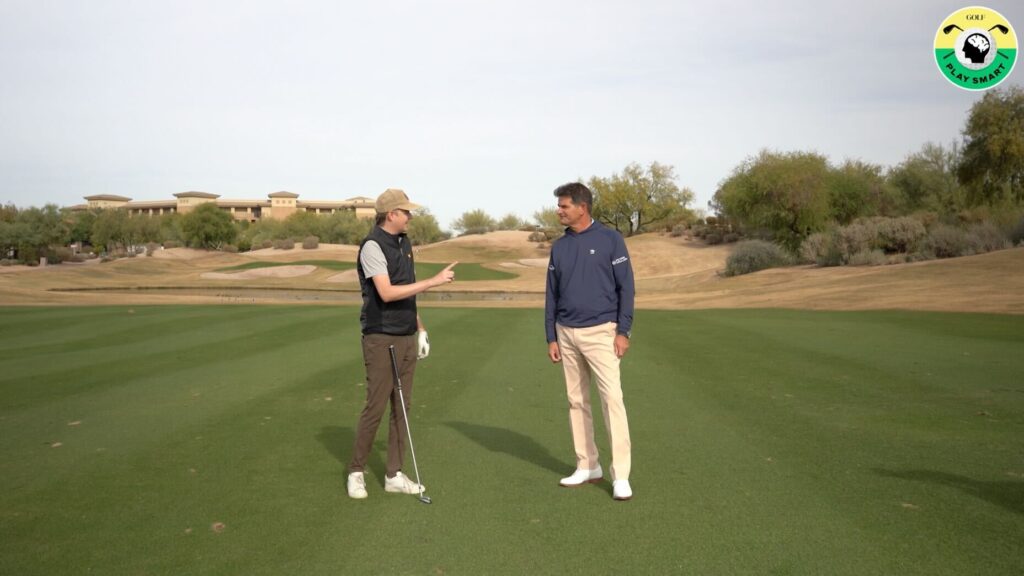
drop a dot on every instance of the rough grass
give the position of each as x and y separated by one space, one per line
212 440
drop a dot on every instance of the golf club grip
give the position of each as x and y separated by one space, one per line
394 366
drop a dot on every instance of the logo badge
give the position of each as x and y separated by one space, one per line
975 48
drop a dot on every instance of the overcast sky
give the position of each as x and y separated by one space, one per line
464 104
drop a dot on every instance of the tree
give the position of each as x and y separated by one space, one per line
509 222
785 194
343 227
80 225
110 229
928 180
857 189
304 224
638 198
207 226
547 218
992 167
424 229
474 222
8 213
43 228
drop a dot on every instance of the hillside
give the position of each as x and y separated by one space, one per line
671 273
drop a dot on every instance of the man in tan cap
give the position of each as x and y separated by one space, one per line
387 277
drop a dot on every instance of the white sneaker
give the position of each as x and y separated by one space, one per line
581 477
621 490
356 485
401 484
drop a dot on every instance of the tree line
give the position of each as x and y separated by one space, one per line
941 201
26 235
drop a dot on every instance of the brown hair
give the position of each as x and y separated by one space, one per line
577 193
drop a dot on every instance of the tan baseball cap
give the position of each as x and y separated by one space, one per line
394 199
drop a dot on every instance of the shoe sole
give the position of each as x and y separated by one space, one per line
591 481
621 499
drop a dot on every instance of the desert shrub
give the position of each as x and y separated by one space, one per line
896 235
284 244
6 262
678 230
730 237
244 245
813 247
699 231
537 236
860 236
229 248
58 255
986 237
945 241
713 238
310 242
868 258
267 244
921 255
753 255
1017 233
171 244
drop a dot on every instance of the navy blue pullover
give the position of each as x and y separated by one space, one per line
590 281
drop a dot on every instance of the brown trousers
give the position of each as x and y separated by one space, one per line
380 390
590 352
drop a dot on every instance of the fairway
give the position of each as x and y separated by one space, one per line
213 440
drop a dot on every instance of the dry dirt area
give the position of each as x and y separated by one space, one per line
671 273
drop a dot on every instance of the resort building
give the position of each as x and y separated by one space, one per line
277 206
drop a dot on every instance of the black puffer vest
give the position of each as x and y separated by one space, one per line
379 317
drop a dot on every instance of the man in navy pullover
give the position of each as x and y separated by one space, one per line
588 318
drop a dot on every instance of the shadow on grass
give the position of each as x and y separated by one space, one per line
1008 494
338 441
512 443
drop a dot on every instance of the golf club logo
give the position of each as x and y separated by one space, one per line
975 48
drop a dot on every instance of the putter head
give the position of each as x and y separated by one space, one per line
425 499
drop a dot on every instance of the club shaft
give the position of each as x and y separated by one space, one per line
405 416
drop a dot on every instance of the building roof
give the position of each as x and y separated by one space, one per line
283 194
196 195
109 197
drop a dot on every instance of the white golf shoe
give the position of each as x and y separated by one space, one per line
621 490
356 485
581 477
401 484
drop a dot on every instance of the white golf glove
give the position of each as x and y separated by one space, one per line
424 345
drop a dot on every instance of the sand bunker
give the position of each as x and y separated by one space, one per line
181 253
346 276
272 272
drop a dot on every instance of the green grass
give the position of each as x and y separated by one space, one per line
464 272
765 442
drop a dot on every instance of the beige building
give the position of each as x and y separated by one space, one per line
277 206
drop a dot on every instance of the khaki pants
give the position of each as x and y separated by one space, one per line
590 352
380 390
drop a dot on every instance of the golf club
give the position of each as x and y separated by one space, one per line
405 415
1001 28
949 28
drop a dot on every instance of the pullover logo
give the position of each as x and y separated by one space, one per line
619 260
975 48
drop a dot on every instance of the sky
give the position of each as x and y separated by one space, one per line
463 104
